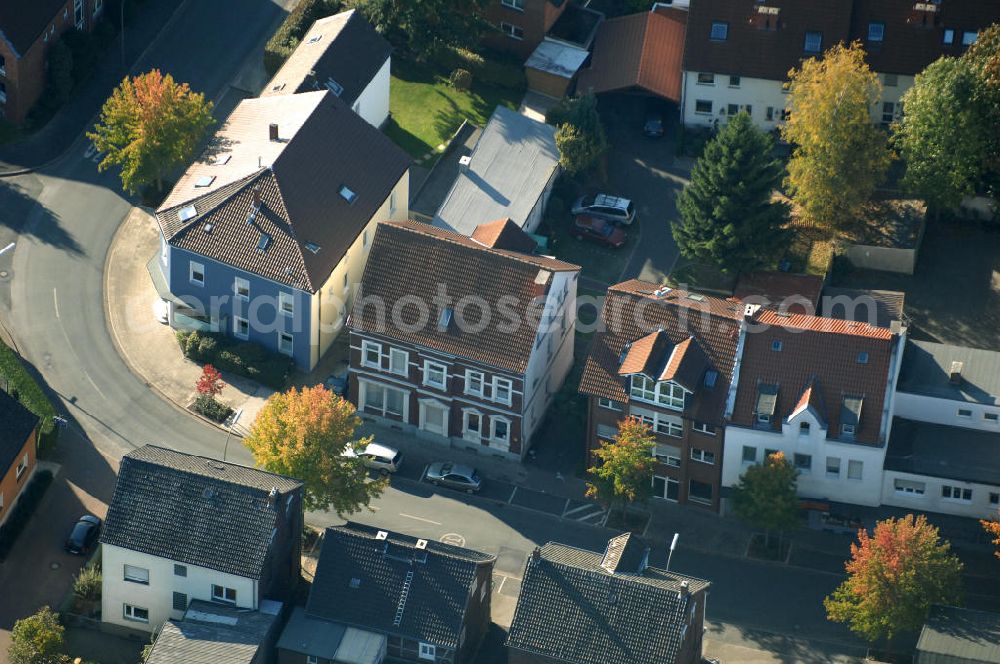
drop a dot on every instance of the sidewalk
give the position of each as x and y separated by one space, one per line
148 347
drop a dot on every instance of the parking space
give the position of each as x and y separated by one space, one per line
538 501
585 511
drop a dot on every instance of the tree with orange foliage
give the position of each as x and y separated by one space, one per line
894 576
623 472
304 434
150 125
992 527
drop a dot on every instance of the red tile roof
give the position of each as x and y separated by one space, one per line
639 50
795 290
812 397
504 234
820 324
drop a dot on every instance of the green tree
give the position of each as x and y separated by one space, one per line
60 74
728 214
580 136
37 639
894 576
765 496
422 26
623 469
942 135
839 156
304 434
984 56
150 125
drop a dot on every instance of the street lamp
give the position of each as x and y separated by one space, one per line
236 417
673 545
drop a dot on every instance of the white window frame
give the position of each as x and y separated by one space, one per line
743 455
991 418
432 366
826 467
468 414
860 464
236 327
383 408
401 368
291 343
286 304
508 386
513 4
702 456
79 16
367 347
666 487
427 651
738 79
802 469
705 428
392 202
703 101
965 413
658 393
701 501
511 30
22 466
134 574
98 7
194 267
444 422
223 596
471 377
494 419
909 490
312 659
241 284
129 613
705 78
608 404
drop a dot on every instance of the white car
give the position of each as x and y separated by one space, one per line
379 457
615 209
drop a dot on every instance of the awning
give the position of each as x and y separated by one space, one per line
155 270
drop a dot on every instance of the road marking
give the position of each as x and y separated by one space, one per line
503 579
6 249
94 384
453 538
511 499
578 509
55 301
419 518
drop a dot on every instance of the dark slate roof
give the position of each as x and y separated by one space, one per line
960 636
938 450
927 368
875 307
17 424
344 47
196 510
329 640
322 147
572 608
21 23
434 608
214 634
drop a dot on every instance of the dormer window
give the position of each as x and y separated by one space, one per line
666 394
334 87
804 428
776 345
813 42
850 416
187 213
847 429
720 31
876 31
767 402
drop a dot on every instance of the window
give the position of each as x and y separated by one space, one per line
749 454
666 488
706 79
704 427
909 487
242 288
392 202
78 13
3 66
876 31
435 375
704 456
399 361
769 113
196 274
286 343
346 192
748 109
665 424
364 239
608 432
994 498
312 659
734 81
513 4
949 36
383 400
371 354
700 492
720 31
135 613
180 570
223 594
888 115
608 404
804 462
964 412
855 469
22 466
136 575
667 454
501 429
474 383
241 327
286 303
847 430
512 31
502 390
956 493
670 395
703 106
472 424
427 651
969 37
992 418
833 466
732 109
804 428
785 114
813 42
776 345
890 80
180 601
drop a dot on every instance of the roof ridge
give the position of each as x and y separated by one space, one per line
236 186
293 233
188 455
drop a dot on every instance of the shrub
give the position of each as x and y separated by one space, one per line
460 79
60 75
18 518
495 70
228 360
87 584
212 408
207 347
29 391
85 54
243 358
251 353
290 32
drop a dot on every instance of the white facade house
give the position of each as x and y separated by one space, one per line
373 102
708 99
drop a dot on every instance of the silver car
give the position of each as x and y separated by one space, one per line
454 476
604 206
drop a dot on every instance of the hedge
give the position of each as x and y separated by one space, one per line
14 377
494 69
293 28
243 358
31 495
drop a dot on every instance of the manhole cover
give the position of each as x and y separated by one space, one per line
54 565
3 274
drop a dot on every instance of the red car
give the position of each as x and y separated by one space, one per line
599 231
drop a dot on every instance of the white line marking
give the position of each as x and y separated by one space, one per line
7 248
580 509
511 499
94 384
419 518
500 587
55 301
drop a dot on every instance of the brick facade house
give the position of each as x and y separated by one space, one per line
17 450
522 24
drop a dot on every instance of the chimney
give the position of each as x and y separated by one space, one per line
541 284
272 498
256 197
463 163
272 132
685 588
536 554
955 375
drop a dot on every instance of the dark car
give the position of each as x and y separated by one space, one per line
83 536
653 125
454 476
599 231
612 208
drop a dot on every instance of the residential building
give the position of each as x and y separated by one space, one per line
181 528
881 308
214 632
952 635
18 446
638 52
783 291
459 342
667 357
420 600
583 607
263 237
819 390
510 173
343 54
27 29
521 24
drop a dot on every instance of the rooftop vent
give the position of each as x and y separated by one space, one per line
272 131
750 309
256 197
208 227
685 588
313 40
204 181
381 535
697 297
355 582
421 544
209 492
348 194
955 373
186 213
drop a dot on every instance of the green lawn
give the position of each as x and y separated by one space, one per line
426 110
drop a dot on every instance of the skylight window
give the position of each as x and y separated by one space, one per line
334 87
814 42
348 194
264 242
188 212
720 31
313 247
444 320
204 181
313 40
876 31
